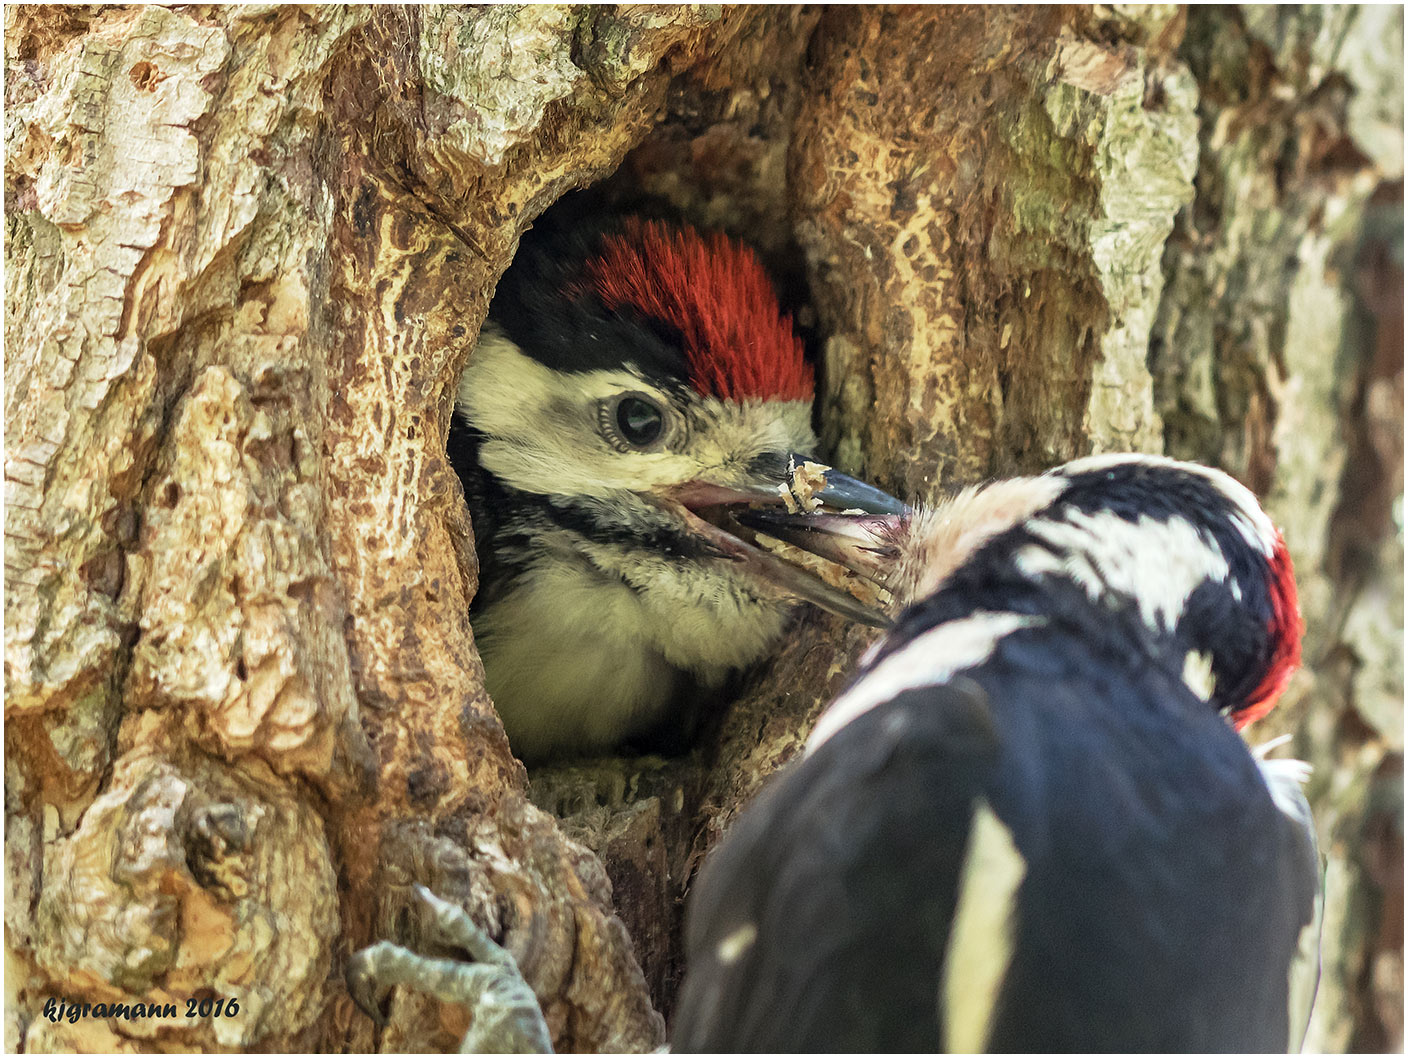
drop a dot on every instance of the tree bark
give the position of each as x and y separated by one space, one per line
249 250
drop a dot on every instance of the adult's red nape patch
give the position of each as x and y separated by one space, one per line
1285 630
738 341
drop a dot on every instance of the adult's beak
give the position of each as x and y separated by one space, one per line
862 543
716 513
845 493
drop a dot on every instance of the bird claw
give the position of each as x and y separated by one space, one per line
504 1013
363 982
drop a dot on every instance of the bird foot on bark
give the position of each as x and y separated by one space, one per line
504 1014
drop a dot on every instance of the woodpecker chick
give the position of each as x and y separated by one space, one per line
1029 823
633 382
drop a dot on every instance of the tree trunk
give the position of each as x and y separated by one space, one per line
249 250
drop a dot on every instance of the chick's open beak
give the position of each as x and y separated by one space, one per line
727 518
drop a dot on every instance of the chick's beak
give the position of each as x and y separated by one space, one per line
862 543
727 518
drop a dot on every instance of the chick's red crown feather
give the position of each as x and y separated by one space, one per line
737 340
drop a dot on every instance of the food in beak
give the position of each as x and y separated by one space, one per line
859 542
731 521
804 481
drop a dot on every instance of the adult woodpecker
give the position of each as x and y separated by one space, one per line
1029 824
634 380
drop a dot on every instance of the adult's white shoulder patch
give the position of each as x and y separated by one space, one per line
930 659
982 936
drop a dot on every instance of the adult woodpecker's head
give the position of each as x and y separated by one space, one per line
635 382
1185 548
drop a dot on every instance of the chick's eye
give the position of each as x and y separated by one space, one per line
639 421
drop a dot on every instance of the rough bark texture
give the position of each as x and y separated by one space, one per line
248 251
